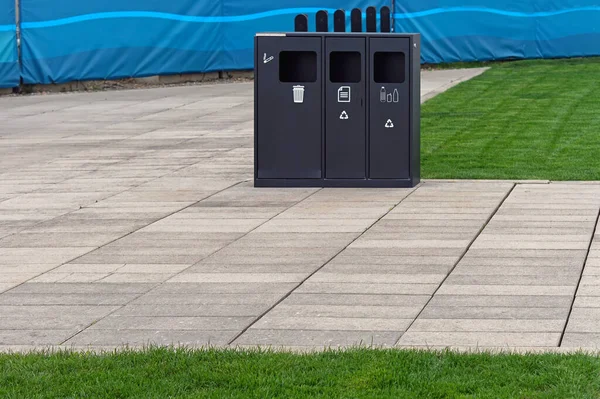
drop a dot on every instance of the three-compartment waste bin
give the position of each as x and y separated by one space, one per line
337 110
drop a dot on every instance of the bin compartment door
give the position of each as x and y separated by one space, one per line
389 90
289 107
345 108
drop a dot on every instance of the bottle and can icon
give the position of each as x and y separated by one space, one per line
386 97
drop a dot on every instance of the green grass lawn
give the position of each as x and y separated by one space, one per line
357 373
535 119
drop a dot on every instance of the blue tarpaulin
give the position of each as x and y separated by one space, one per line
9 66
472 30
76 40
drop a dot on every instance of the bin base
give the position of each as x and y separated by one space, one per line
345 183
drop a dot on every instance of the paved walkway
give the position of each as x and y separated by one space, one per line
128 218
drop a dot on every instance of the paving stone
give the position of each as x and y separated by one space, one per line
54 289
119 298
223 288
168 299
152 268
316 338
479 339
587 301
136 278
34 337
533 245
315 225
275 259
331 323
205 225
357 288
41 255
470 260
585 313
520 290
583 325
402 252
15 278
340 268
187 310
581 340
32 240
591 271
145 338
588 290
492 325
344 311
489 312
370 243
324 253
238 278
269 269
55 321
88 268
541 271
534 253
171 323
489 235
397 301
511 280
359 259
96 258
57 277
327 277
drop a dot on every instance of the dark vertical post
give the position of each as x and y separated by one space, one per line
356 20
322 21
301 23
385 19
339 21
371 19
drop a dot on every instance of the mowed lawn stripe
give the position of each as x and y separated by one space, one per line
519 120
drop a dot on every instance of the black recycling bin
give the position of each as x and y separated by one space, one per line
337 110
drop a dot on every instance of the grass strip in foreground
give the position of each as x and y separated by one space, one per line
354 373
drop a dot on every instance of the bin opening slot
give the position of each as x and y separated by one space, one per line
344 67
389 67
298 66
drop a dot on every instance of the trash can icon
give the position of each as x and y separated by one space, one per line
298 94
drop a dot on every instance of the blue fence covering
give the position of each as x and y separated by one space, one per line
73 40
9 66
470 30
105 39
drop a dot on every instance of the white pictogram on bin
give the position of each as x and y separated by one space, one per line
344 94
298 94
344 115
389 124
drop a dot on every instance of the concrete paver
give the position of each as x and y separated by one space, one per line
129 217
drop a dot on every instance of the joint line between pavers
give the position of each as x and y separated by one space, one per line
460 258
564 331
283 298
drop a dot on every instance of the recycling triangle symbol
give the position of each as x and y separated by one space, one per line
344 115
389 124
